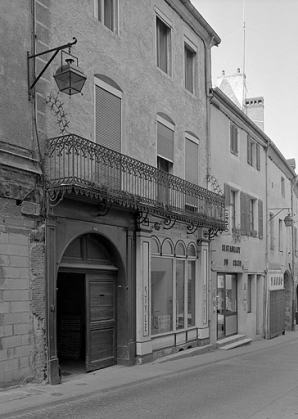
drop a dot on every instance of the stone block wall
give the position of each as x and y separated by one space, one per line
22 293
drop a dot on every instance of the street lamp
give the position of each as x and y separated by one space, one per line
70 78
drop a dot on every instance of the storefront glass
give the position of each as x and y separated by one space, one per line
226 305
180 293
191 293
161 295
173 277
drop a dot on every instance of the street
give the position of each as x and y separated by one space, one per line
257 385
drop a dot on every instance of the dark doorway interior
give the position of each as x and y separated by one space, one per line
71 323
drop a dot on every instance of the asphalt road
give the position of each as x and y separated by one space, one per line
258 385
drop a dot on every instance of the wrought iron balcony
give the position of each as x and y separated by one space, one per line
74 164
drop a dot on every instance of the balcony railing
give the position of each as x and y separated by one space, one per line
73 163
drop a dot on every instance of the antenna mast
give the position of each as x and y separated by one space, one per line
243 65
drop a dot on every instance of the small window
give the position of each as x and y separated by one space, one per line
189 67
233 139
106 12
163 45
283 189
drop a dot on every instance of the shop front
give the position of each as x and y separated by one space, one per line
174 293
227 317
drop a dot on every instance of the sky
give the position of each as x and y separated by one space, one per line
271 58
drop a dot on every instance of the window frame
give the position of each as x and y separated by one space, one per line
234 142
191 48
99 8
161 19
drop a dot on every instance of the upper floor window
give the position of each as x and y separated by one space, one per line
163 45
191 158
106 12
189 65
271 228
232 203
280 235
233 139
108 97
251 215
253 153
283 188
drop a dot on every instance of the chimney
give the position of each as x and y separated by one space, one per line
254 108
233 86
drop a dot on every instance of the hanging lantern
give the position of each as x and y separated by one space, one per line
70 78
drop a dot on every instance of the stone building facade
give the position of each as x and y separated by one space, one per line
104 194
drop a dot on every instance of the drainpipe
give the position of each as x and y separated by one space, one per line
266 292
293 254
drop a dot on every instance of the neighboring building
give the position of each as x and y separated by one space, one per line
238 256
282 243
100 259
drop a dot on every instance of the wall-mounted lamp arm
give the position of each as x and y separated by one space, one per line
280 210
57 49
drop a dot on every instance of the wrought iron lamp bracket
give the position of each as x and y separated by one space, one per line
103 208
143 218
214 232
169 223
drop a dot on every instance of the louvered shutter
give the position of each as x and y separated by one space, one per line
248 150
191 161
165 142
244 213
260 215
227 190
258 149
108 119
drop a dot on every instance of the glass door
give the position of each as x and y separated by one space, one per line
227 318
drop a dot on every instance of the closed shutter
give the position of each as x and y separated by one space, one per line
165 142
249 156
191 161
108 119
258 156
260 214
244 209
227 191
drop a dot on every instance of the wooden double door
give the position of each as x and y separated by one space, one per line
87 304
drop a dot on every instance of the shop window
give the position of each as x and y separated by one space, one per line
180 249
155 246
167 247
173 288
191 250
249 293
163 44
106 11
161 295
180 293
191 293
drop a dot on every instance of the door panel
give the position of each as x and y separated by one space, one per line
100 320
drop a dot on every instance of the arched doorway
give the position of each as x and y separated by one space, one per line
288 300
86 306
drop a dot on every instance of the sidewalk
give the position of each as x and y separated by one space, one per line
24 399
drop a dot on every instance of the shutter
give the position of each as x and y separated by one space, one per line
258 149
108 119
109 14
260 215
244 212
232 137
227 190
249 156
247 210
165 142
191 161
236 139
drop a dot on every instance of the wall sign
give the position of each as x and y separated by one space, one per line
275 280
